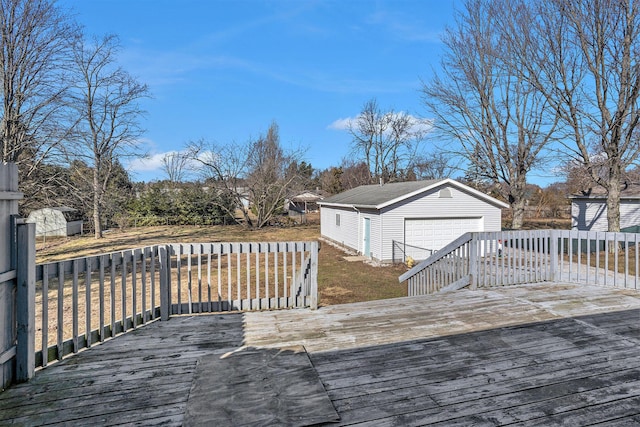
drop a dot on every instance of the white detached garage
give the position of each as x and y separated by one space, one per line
392 221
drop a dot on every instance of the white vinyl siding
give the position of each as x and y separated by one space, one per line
347 232
591 215
430 205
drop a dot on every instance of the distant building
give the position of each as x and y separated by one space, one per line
589 211
394 221
305 202
58 221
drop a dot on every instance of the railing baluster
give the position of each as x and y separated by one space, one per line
60 307
123 286
275 274
294 296
238 272
189 279
113 294
606 259
74 304
152 273
87 301
134 289
616 246
266 275
285 275
258 302
200 251
45 314
179 276
101 262
143 292
220 276
209 306
248 257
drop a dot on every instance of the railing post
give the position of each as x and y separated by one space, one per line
553 254
313 275
25 301
165 301
473 261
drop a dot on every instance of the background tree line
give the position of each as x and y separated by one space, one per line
69 112
521 84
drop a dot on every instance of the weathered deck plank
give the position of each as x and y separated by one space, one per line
535 355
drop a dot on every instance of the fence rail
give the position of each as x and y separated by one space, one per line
515 257
86 300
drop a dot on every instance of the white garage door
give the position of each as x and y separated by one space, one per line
422 236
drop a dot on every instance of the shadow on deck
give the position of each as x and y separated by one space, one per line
545 354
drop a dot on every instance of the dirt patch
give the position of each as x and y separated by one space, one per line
336 292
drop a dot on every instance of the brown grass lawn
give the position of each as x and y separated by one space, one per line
339 281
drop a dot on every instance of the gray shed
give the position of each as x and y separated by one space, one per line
58 221
589 211
391 222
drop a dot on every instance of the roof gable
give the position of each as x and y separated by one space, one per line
380 196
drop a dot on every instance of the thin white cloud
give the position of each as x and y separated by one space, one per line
342 124
404 27
418 125
150 163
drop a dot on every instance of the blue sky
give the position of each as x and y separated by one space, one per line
224 70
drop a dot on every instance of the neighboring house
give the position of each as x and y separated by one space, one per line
59 221
304 202
392 221
589 211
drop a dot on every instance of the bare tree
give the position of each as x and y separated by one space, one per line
106 100
484 101
34 57
588 69
353 174
175 165
386 141
436 165
258 175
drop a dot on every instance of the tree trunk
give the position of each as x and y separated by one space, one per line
97 191
613 204
517 212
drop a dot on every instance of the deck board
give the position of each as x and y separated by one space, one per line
535 354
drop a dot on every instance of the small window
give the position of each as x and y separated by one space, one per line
337 220
445 193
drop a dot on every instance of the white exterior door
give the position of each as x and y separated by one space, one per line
427 235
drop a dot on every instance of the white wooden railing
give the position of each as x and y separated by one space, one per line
86 300
516 257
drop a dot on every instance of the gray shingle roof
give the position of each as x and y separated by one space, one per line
376 195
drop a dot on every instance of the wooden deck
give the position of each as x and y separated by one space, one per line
544 354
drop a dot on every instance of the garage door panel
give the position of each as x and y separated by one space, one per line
425 235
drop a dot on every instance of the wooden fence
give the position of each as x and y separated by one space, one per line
17 258
515 257
83 301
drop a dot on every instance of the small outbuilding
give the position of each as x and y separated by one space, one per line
58 221
304 202
589 210
391 222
